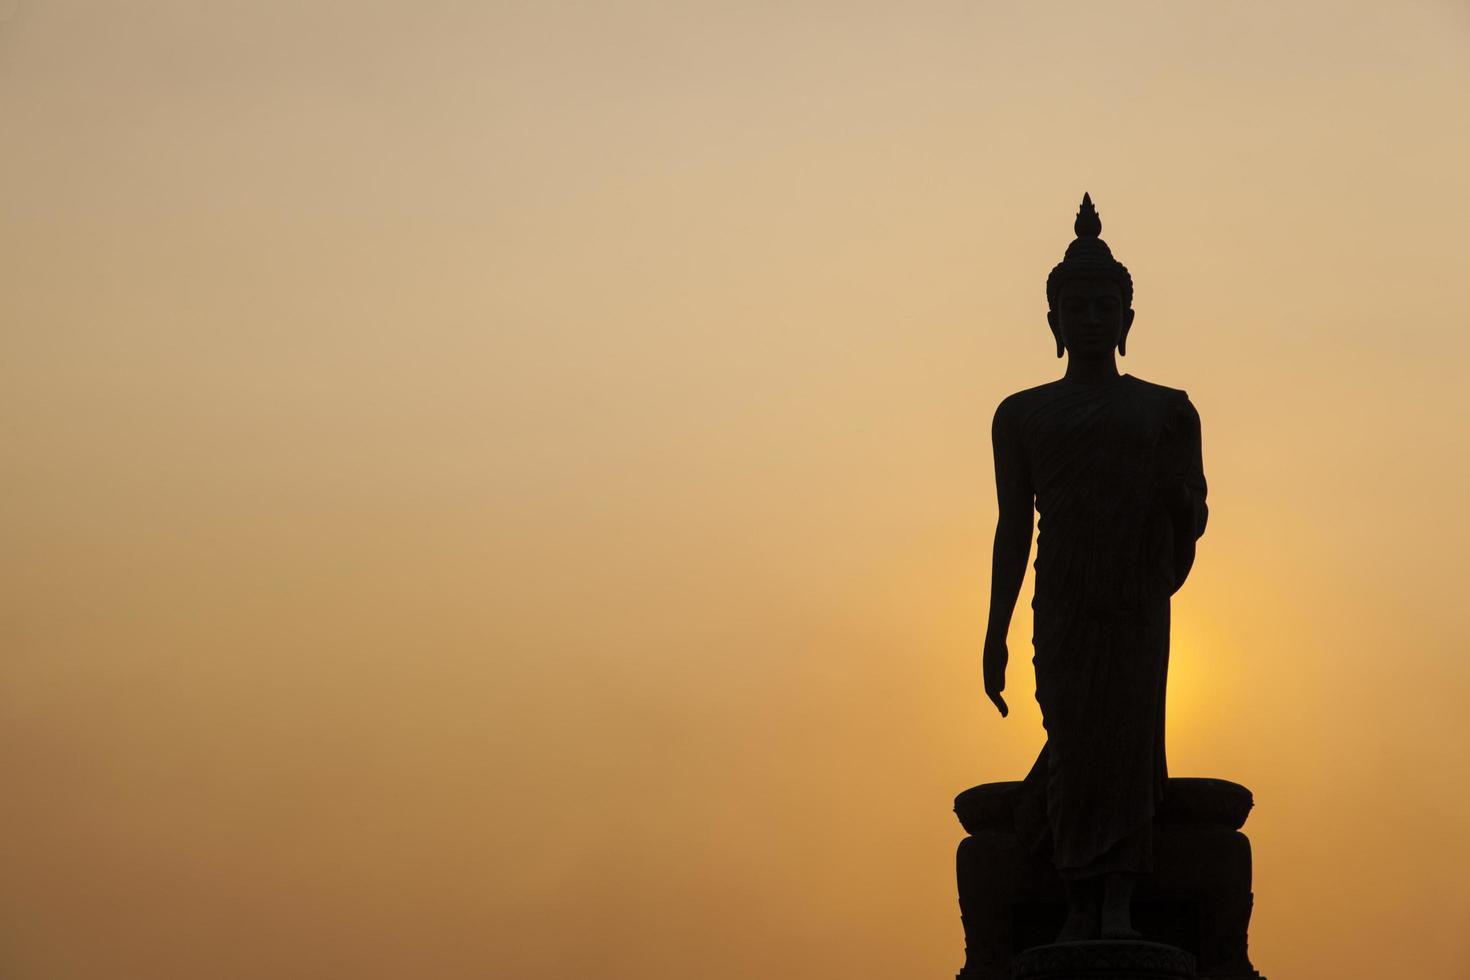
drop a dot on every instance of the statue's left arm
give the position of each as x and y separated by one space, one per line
1188 511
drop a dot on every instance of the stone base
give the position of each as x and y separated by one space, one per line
1105 959
1197 900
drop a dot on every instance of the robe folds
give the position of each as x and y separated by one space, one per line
1119 486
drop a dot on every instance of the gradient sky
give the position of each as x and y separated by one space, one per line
504 490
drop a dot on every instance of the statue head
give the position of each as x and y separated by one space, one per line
1089 294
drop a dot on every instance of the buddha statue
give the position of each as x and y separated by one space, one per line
1112 466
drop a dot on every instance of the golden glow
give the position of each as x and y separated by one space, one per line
504 489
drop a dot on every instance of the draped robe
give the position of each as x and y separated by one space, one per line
1119 486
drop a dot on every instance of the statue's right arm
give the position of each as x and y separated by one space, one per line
1014 525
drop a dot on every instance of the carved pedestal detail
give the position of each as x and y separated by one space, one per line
1104 960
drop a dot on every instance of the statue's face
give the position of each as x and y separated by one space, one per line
1089 318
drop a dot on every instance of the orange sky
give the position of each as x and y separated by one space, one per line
503 490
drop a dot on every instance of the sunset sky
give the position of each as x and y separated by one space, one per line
504 489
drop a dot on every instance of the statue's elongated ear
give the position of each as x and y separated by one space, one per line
1051 321
1123 336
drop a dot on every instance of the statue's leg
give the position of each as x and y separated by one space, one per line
1084 904
1117 906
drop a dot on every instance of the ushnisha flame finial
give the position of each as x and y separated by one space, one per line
1088 224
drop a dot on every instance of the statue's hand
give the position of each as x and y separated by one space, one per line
996 657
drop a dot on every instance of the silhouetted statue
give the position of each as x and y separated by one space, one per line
1112 465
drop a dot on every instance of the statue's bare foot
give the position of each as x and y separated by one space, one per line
1120 930
1079 926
